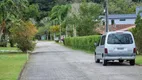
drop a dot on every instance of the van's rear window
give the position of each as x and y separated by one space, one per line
119 38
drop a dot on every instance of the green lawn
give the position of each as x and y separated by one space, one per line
139 59
8 48
11 65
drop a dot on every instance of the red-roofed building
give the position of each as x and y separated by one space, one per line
119 21
118 27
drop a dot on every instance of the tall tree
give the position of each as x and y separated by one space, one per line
58 14
44 7
12 10
138 32
137 0
6 7
88 17
121 7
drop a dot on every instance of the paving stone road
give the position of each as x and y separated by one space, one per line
51 61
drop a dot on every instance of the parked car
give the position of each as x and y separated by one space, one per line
117 45
56 39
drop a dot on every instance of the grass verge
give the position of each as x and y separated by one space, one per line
139 59
11 65
8 48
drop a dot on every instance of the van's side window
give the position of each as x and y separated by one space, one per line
103 40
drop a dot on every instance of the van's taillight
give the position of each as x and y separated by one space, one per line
135 50
106 51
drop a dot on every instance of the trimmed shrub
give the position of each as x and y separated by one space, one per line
85 42
26 45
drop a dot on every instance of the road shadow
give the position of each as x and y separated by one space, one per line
118 64
115 63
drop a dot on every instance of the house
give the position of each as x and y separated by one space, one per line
119 21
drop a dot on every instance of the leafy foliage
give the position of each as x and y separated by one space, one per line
23 33
59 13
121 6
6 7
42 30
17 13
86 19
137 0
32 11
45 7
138 32
55 28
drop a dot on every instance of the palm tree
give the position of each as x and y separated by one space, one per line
58 14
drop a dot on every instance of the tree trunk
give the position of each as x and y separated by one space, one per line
74 31
54 36
2 28
11 43
66 32
1 32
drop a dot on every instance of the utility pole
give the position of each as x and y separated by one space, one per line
106 15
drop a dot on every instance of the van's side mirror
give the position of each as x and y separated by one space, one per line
95 44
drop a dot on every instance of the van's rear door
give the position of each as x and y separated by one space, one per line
121 44
120 50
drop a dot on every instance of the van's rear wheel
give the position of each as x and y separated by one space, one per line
104 62
97 60
132 62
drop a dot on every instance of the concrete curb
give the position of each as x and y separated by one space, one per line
24 66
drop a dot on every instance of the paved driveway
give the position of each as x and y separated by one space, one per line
51 61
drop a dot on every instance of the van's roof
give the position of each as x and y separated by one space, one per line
117 31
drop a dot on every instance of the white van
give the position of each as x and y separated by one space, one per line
116 45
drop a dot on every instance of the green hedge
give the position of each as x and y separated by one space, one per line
85 42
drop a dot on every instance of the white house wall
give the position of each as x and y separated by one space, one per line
127 21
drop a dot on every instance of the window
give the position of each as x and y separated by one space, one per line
112 22
122 19
120 38
103 40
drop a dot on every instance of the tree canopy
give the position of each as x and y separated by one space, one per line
16 14
73 17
